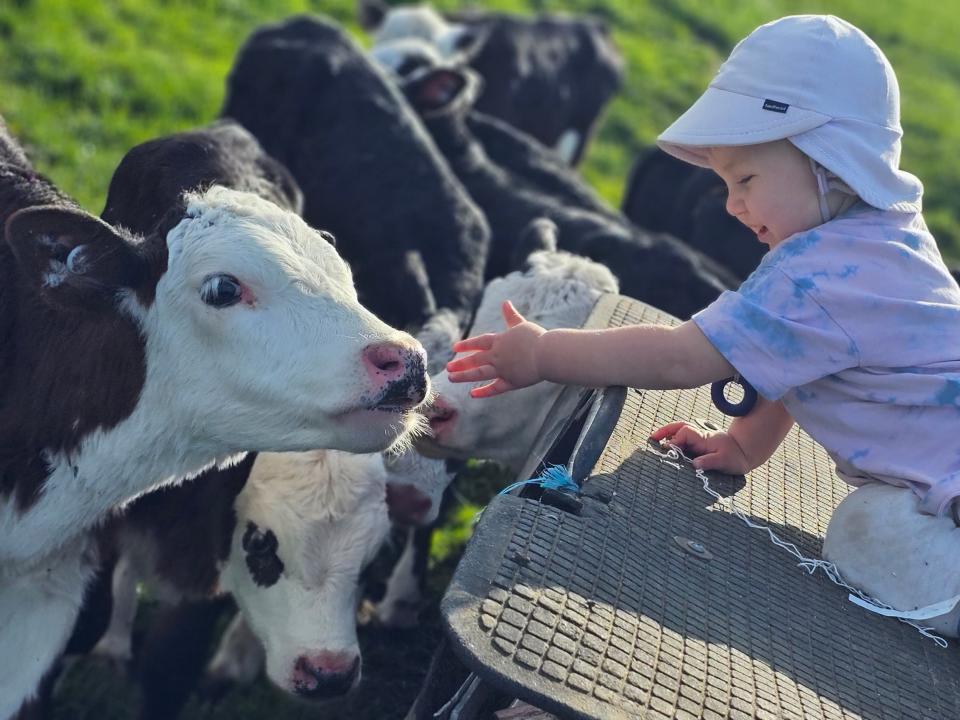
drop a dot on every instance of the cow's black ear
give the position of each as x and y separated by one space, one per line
75 260
370 13
469 41
441 90
539 234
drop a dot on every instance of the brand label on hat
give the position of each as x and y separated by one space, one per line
775 106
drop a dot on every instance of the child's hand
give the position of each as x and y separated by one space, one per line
507 358
712 450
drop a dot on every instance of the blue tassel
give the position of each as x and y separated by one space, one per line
555 477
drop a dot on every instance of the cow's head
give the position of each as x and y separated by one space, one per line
244 328
451 41
307 524
556 290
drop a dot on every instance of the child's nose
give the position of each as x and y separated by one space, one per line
734 204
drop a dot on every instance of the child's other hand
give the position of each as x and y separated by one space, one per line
711 450
507 358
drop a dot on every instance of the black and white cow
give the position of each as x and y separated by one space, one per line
655 268
567 64
128 361
287 534
368 170
665 194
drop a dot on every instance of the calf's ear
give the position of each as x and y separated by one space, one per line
75 260
370 13
539 234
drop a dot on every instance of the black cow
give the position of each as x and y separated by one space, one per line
665 194
549 76
368 170
654 268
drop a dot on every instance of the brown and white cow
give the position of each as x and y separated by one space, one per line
128 361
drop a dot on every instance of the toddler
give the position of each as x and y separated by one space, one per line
850 325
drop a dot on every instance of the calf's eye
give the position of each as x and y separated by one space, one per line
220 290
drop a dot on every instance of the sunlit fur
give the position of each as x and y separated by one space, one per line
558 290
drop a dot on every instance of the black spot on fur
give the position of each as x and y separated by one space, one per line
262 561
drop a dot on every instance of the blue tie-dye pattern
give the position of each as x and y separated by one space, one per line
804 395
950 393
848 271
802 285
796 246
777 337
912 241
858 454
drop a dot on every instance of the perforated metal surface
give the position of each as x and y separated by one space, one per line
607 616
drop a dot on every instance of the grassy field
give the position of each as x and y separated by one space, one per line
84 80
81 81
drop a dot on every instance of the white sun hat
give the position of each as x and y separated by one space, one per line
819 82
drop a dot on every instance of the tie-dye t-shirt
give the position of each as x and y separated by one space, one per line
855 326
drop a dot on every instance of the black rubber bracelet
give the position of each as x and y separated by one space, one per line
733 409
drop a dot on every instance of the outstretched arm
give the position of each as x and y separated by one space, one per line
642 356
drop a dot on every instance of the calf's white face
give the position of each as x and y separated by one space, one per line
559 290
307 524
258 318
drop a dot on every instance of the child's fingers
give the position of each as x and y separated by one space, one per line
468 362
510 314
667 430
484 372
497 387
710 461
477 342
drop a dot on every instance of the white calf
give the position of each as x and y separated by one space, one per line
558 290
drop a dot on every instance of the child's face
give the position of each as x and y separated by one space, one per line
772 189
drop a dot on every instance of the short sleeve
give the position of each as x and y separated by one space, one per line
776 334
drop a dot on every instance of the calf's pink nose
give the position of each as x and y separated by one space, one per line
441 417
326 674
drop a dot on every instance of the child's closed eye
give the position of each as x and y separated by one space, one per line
744 180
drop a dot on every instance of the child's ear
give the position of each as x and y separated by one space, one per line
74 260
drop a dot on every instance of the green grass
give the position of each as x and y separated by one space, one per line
84 80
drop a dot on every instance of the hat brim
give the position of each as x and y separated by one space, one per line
720 118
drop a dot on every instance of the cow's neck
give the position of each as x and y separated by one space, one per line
105 469
197 514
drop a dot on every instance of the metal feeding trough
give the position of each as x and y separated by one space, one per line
652 600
